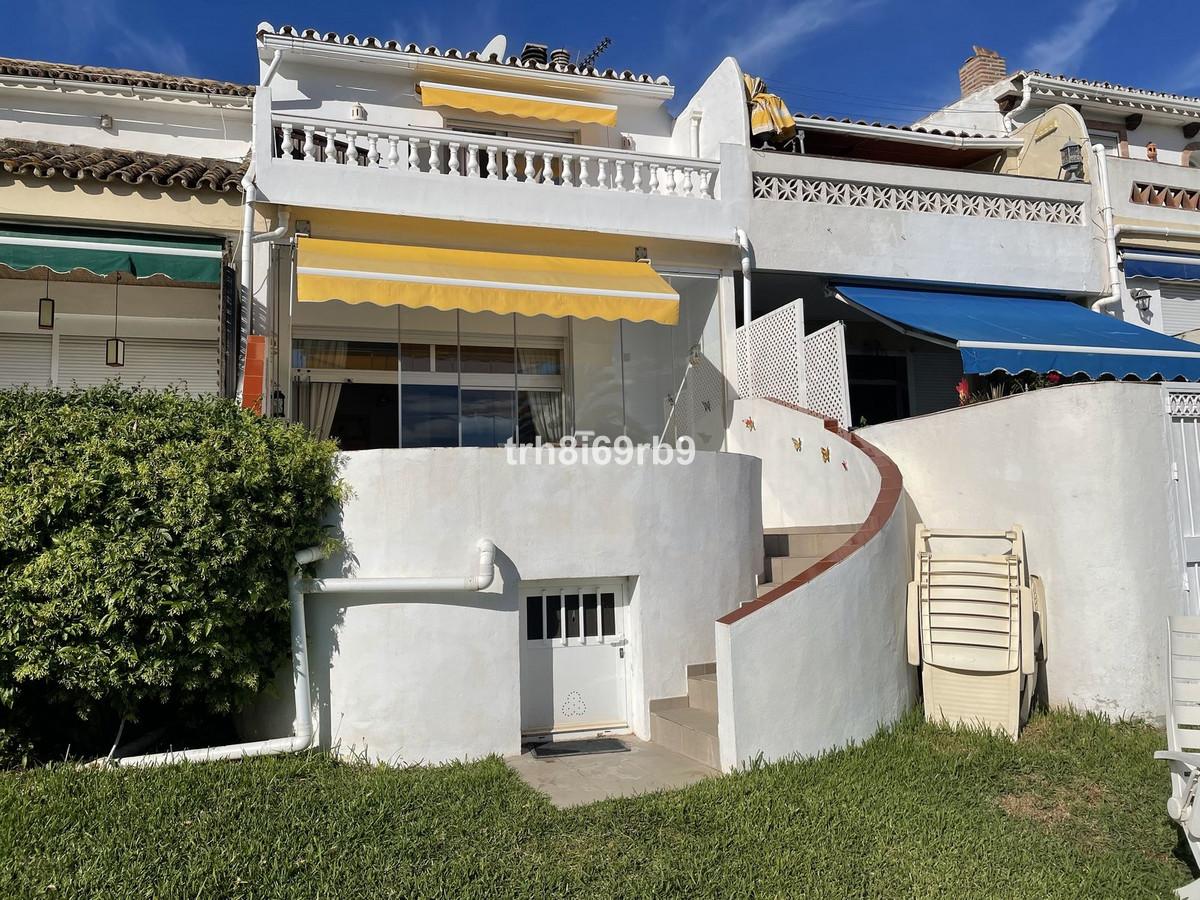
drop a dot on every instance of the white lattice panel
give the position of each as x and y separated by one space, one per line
828 386
773 345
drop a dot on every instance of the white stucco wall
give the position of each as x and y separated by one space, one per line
1085 469
822 666
828 239
799 487
427 678
185 124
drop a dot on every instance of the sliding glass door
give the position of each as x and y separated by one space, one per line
368 394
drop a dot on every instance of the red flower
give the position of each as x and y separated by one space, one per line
1053 378
964 391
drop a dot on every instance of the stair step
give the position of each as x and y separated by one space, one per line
778 542
702 692
784 568
687 731
762 589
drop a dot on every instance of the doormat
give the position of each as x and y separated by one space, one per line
554 749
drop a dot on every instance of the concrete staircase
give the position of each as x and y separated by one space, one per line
789 551
688 725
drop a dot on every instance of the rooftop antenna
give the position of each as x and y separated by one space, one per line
590 59
495 47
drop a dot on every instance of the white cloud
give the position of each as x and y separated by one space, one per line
98 30
1064 47
779 28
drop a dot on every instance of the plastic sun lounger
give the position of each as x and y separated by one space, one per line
975 627
1183 733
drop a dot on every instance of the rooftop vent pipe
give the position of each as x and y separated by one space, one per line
561 57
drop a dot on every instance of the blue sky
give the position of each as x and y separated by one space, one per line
893 60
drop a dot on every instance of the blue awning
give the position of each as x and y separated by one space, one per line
1027 334
1161 264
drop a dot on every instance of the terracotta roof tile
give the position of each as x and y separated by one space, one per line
48 160
29 68
330 37
801 119
1107 85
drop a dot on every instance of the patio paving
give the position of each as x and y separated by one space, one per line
574 781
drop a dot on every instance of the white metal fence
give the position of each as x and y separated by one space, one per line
1183 407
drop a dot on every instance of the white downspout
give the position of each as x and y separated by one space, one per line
303 734
1026 95
743 243
249 198
1113 298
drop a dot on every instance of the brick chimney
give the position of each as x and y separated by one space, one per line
984 68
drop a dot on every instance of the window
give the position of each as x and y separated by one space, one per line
571 615
1109 135
375 394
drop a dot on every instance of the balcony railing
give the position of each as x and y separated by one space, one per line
454 154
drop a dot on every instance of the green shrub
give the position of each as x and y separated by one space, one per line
144 540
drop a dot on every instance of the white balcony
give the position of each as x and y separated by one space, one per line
1155 193
851 218
439 173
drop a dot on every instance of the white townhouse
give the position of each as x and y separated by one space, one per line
465 248
988 238
120 207
428 253
1147 178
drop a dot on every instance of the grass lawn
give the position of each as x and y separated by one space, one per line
1076 810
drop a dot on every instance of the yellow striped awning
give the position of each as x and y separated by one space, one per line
525 106
482 281
769 115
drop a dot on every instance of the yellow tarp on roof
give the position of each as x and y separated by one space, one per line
482 281
769 115
525 106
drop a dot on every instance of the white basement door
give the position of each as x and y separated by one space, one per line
573 658
149 362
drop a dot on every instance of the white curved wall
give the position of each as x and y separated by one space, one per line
1085 469
798 486
428 678
822 666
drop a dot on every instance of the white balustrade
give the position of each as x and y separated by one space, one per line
426 151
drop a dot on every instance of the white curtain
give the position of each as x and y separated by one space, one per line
545 406
317 401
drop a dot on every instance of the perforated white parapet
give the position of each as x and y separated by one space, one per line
828 386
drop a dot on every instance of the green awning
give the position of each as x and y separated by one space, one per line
191 259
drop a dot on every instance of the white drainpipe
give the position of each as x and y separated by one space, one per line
249 198
1113 298
303 735
743 243
1026 95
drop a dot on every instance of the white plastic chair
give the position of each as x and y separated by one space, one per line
975 627
1183 733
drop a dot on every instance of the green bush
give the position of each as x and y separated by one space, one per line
144 540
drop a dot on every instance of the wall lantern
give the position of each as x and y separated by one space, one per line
46 307
114 347
1141 298
1072 161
